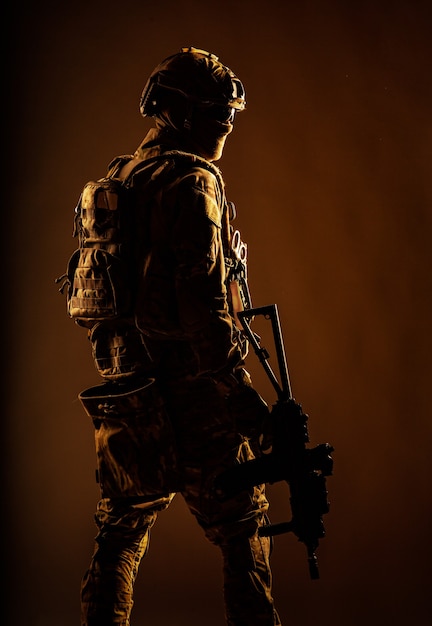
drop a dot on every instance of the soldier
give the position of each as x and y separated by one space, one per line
186 409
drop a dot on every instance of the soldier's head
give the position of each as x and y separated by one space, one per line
193 93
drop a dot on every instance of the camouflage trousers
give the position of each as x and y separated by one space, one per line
144 460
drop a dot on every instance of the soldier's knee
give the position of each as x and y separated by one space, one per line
247 553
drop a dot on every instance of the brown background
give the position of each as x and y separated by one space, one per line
330 172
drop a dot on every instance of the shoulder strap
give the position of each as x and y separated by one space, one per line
194 159
117 164
129 166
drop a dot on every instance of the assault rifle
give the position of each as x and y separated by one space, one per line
304 469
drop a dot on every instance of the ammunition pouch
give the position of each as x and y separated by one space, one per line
135 443
118 350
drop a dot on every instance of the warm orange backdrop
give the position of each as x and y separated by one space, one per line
330 170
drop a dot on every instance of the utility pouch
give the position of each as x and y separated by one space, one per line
100 271
118 350
135 443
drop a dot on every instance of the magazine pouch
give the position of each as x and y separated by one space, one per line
100 270
118 350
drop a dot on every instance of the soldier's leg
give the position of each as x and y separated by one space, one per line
134 450
214 422
248 580
121 542
233 527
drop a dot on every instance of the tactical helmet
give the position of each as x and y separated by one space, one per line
199 77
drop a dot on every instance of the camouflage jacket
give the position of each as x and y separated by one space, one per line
182 293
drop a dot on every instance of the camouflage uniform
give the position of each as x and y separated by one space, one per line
196 415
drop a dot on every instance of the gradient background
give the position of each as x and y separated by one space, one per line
330 172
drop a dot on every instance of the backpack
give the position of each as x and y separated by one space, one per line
101 276
100 273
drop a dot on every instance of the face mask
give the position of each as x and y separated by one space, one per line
209 137
205 127
209 128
